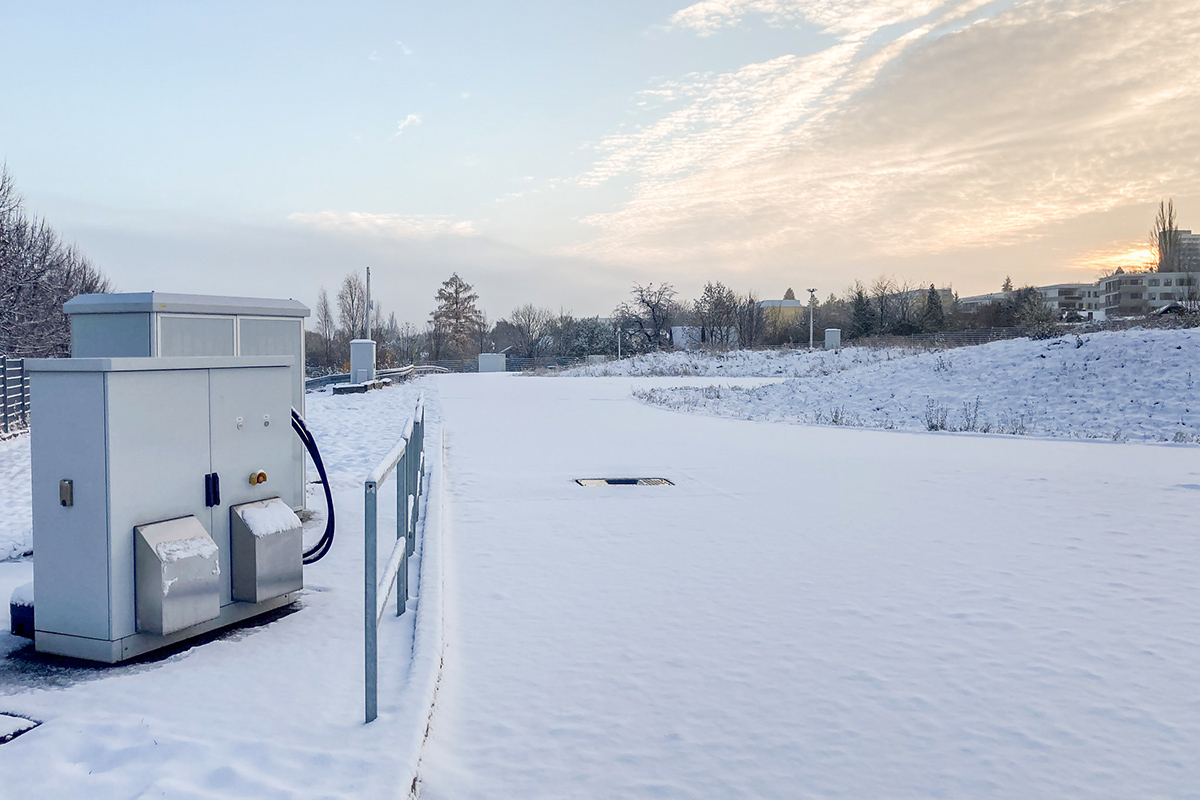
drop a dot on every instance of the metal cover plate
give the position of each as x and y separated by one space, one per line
623 482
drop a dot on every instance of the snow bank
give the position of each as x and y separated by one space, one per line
1122 385
10 726
743 363
275 517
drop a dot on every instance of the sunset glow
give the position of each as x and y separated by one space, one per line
1129 259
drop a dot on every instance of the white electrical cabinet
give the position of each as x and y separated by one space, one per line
137 464
157 324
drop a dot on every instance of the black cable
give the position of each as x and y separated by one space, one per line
321 548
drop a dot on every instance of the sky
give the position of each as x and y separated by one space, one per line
556 153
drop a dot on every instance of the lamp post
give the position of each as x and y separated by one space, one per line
368 335
812 304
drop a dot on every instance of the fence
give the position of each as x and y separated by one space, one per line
14 387
407 460
398 372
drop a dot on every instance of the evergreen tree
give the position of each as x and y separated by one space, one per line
862 314
789 294
456 319
934 317
1007 287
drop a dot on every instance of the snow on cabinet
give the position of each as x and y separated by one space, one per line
119 444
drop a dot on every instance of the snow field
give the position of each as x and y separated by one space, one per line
267 711
809 611
1138 385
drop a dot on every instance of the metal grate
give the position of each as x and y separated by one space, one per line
623 482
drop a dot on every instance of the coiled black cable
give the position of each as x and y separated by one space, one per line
321 548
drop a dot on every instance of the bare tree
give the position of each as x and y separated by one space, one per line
532 327
326 328
648 314
751 321
716 314
1166 246
883 292
38 273
352 306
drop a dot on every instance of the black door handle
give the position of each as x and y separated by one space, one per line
212 490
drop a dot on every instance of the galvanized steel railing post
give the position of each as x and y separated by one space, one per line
371 621
402 530
407 460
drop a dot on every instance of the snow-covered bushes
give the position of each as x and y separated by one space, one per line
1135 384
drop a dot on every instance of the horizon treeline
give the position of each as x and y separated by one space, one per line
458 329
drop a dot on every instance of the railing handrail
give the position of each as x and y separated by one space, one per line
409 451
395 372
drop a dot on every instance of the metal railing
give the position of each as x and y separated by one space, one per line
398 372
407 459
14 394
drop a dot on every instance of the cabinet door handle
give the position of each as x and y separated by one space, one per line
208 490
216 484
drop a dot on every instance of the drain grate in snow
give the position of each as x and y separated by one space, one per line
11 727
623 482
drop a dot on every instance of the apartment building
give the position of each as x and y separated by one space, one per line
1138 293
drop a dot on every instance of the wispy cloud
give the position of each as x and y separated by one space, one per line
847 18
411 119
404 48
945 137
388 225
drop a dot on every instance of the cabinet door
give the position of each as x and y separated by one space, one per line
158 455
251 432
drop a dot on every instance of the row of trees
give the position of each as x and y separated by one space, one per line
38 273
720 318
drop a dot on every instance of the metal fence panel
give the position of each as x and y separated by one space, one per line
14 394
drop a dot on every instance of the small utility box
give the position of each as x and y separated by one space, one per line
492 362
595 360
267 551
362 360
178 575
833 338
135 465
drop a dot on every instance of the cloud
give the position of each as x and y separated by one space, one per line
852 19
411 119
404 48
394 226
958 134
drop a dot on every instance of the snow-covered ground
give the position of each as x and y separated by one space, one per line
1123 385
808 611
742 363
16 512
274 710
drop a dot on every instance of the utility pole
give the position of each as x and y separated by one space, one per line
812 304
368 336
